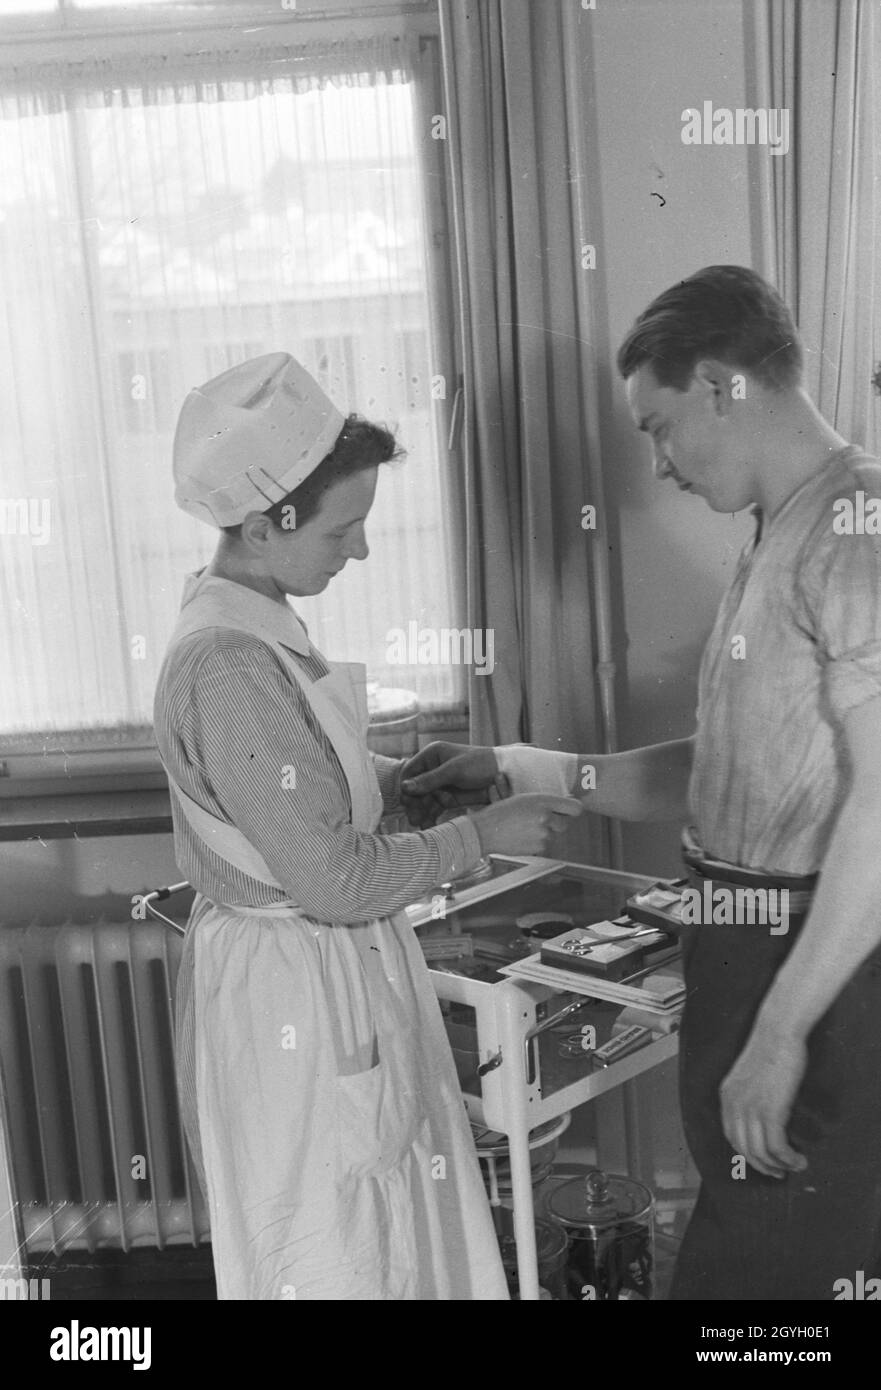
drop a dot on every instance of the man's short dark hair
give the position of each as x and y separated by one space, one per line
725 312
360 445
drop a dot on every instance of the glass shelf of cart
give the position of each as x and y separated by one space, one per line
467 948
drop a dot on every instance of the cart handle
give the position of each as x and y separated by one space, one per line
159 895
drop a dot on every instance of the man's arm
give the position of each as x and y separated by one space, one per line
843 927
641 784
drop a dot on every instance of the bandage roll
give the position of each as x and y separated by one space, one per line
531 769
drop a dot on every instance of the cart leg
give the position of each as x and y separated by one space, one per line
639 1154
524 1215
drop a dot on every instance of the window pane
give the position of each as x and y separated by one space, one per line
214 230
11 8
139 4
270 9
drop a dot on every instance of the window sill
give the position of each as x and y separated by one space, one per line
85 815
82 773
117 792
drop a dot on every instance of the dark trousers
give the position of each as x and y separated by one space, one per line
764 1238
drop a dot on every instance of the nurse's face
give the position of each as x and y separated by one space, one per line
696 436
304 560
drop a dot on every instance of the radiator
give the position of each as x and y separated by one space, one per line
98 1155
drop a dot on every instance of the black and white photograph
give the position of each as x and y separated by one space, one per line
440 666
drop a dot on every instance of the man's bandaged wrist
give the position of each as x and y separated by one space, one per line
531 769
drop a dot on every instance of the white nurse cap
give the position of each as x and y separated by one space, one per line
248 437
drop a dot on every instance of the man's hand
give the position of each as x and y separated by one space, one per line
757 1097
842 928
444 776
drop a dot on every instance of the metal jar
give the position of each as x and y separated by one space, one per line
610 1223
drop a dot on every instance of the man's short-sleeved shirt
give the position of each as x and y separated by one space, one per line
795 647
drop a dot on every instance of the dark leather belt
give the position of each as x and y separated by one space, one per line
800 887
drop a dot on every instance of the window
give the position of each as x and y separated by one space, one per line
73 11
159 222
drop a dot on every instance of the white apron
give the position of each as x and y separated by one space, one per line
337 1155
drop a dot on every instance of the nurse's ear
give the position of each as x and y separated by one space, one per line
256 531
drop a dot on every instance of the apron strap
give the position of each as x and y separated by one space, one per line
224 839
339 712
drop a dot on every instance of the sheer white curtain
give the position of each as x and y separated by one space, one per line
157 226
819 206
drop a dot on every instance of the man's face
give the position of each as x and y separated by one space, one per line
695 437
304 560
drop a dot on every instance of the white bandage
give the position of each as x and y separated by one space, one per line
531 769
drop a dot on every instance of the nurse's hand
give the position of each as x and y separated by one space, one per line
444 776
524 824
757 1097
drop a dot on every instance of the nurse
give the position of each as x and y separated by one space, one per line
317 1086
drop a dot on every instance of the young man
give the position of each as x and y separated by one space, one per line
780 789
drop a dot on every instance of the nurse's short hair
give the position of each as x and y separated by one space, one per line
360 445
727 312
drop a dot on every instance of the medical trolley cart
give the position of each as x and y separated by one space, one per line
516 1067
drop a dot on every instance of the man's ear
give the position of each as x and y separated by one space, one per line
719 383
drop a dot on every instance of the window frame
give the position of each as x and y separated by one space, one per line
67 24
125 758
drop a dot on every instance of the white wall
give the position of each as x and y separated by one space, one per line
674 556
